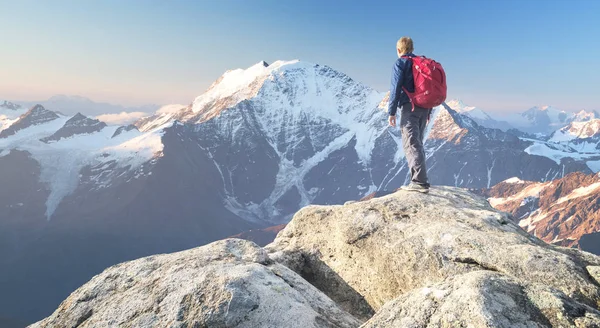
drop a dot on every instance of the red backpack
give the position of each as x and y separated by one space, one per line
430 82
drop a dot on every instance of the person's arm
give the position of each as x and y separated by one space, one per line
396 86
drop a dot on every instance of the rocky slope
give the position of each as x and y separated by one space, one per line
230 283
560 211
446 259
435 256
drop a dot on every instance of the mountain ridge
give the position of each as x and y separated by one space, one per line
560 211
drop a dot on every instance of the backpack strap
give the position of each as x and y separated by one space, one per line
411 101
403 88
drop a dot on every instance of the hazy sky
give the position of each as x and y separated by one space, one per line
498 55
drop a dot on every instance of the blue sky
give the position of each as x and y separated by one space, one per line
499 55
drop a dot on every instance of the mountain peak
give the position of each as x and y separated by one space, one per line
285 80
34 116
36 108
584 115
458 105
78 124
238 84
125 128
78 117
9 105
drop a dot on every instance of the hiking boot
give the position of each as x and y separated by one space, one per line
416 187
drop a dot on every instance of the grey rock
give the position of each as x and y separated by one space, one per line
389 247
230 283
484 299
123 129
78 124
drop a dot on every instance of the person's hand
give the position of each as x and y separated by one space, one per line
392 120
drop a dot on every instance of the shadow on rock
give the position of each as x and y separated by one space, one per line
310 267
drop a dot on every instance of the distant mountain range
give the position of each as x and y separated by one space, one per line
538 120
70 105
78 195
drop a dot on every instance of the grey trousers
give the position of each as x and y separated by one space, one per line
412 127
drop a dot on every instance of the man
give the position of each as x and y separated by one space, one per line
412 121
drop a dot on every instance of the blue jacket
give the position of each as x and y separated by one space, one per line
402 76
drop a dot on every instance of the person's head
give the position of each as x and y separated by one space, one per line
404 46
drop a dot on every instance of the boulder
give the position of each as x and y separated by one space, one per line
229 283
481 299
391 249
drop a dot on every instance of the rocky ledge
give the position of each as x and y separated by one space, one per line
446 259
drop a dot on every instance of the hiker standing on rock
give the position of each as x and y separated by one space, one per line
418 85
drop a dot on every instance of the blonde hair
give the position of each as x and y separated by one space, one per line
405 45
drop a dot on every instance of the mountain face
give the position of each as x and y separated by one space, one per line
225 165
78 124
71 207
462 153
562 211
260 143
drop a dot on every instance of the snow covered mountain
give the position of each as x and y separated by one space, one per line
77 195
37 115
577 130
77 124
584 116
462 153
547 119
565 211
539 120
287 134
481 117
9 113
